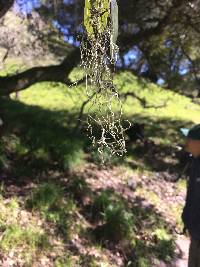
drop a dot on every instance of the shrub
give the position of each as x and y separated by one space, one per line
100 203
45 196
118 222
70 154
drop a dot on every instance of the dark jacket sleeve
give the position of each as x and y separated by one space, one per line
186 210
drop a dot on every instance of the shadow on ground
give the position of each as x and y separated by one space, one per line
34 140
163 151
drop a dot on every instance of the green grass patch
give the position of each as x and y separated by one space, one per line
173 105
181 185
40 135
14 236
38 140
165 245
45 196
50 200
64 262
117 221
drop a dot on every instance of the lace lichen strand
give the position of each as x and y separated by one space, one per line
98 54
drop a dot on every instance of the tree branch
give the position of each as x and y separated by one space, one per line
193 65
5 5
56 73
143 101
81 112
76 83
145 34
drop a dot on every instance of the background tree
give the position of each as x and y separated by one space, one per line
158 40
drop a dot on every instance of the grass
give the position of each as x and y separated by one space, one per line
49 199
13 204
20 237
38 142
176 105
165 244
45 196
155 240
50 110
15 236
181 185
39 139
150 195
64 262
100 203
174 210
119 223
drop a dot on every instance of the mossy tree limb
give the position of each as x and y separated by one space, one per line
54 73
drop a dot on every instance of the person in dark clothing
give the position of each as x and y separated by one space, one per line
191 210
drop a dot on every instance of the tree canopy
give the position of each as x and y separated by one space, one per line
158 40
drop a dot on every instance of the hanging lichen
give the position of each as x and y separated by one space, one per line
99 55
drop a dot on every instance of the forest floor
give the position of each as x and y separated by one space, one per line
155 203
